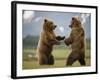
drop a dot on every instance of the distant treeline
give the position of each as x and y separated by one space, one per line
32 41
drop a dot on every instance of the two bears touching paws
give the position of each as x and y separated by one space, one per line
48 39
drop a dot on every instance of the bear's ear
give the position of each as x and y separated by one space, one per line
73 18
45 20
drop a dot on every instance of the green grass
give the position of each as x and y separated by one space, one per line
60 55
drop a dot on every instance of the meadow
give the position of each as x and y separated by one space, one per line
60 55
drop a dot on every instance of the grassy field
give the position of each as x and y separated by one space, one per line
60 55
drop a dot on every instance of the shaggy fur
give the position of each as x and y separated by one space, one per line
76 40
46 42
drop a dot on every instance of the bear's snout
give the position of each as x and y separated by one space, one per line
55 26
70 26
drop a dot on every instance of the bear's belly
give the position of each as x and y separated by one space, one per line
77 45
44 49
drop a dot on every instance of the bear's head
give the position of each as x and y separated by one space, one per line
75 22
48 25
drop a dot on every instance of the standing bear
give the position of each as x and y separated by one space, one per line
76 40
46 42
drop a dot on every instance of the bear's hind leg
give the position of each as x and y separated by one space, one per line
72 58
82 61
50 60
42 60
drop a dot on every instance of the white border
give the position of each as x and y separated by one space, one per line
67 70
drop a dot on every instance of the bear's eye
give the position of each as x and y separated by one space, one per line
73 18
51 22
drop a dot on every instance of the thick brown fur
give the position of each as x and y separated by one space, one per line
76 40
46 42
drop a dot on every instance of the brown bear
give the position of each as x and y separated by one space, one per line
46 41
77 42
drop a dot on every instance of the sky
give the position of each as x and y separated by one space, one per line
33 22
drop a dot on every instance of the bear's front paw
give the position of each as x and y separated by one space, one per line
60 38
66 42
